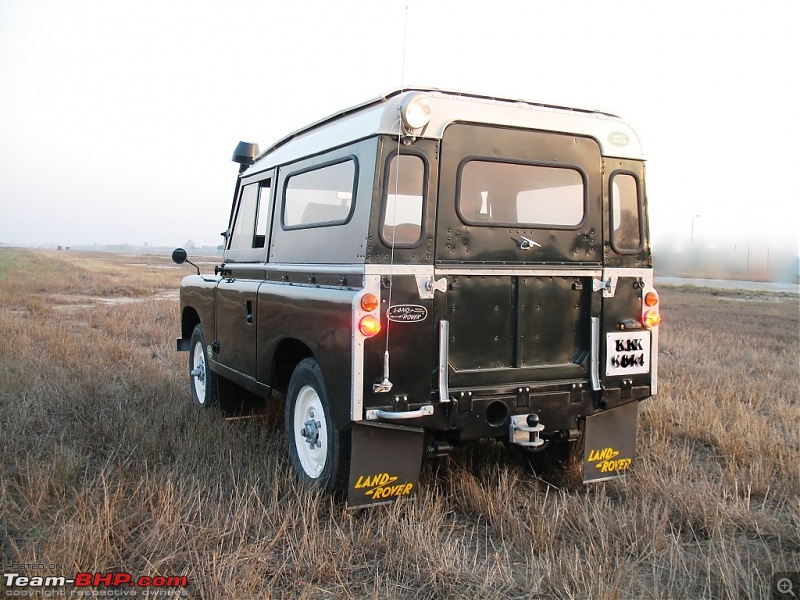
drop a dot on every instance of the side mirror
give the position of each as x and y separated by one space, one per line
179 256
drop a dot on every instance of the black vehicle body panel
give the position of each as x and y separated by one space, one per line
197 304
317 317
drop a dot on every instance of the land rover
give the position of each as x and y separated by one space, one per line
431 268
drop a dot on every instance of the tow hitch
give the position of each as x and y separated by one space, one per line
525 429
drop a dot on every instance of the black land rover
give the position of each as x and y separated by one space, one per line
430 268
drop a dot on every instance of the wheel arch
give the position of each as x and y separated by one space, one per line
189 320
288 353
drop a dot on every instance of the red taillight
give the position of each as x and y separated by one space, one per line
651 319
369 326
650 299
369 302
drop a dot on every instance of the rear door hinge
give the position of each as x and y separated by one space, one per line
609 286
428 285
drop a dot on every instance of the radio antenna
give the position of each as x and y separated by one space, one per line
386 385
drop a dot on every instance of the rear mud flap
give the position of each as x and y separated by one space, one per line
385 462
610 443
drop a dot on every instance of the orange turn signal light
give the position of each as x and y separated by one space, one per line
369 302
651 319
369 326
650 299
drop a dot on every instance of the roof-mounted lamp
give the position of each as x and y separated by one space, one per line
415 112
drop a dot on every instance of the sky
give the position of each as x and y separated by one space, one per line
118 118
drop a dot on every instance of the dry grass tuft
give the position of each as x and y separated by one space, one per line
105 466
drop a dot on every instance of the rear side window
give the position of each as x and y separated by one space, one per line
626 222
403 201
513 194
322 195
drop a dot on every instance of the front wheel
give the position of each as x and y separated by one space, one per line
202 380
317 451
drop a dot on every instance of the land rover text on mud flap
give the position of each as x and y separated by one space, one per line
431 268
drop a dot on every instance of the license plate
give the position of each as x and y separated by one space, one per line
628 353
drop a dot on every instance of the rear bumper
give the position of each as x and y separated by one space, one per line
486 413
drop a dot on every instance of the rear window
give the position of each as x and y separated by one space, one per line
626 223
516 194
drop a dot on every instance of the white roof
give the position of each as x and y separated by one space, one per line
382 116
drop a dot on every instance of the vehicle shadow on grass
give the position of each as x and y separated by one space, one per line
239 404
557 466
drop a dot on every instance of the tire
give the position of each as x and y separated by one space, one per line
202 380
319 454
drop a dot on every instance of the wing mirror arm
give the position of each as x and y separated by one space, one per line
179 257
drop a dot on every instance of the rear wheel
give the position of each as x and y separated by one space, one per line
317 451
202 380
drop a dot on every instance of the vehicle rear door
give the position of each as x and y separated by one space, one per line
519 242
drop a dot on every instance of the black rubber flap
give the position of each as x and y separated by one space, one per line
385 461
610 443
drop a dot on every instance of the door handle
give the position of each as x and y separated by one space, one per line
249 312
527 244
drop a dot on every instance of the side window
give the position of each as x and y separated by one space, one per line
322 195
403 194
626 230
251 225
244 225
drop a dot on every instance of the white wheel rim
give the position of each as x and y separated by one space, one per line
310 432
199 373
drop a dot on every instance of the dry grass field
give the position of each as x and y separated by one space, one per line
106 466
